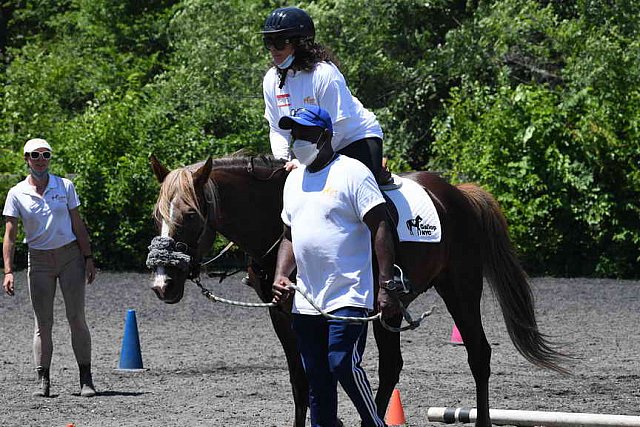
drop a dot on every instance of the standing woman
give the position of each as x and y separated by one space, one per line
305 73
59 250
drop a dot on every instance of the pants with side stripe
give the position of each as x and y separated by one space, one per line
331 352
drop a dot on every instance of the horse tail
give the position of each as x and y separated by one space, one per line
510 283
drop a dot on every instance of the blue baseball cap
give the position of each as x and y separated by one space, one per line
309 115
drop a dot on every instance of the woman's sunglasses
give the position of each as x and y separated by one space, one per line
35 155
277 43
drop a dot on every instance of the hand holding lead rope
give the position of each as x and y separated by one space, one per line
285 291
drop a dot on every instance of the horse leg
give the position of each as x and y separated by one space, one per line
282 325
389 362
464 307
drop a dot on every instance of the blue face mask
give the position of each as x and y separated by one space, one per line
39 175
286 63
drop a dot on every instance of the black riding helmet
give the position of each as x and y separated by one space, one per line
289 22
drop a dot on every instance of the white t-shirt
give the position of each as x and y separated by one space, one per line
331 243
46 219
325 87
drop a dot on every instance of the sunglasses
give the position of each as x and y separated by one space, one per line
277 43
35 155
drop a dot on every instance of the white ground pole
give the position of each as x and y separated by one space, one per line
532 418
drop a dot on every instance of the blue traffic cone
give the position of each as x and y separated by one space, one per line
130 357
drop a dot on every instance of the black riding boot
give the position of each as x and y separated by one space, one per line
44 384
86 382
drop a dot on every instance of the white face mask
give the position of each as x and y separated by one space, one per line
305 151
286 63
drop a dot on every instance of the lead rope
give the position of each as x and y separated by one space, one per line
412 324
163 251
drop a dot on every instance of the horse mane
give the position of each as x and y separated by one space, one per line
242 158
178 186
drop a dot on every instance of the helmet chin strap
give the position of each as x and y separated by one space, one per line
283 76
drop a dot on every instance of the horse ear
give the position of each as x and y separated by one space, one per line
158 170
201 176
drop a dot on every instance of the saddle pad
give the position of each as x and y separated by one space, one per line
418 219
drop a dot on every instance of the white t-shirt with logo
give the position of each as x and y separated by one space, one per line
46 219
325 87
331 243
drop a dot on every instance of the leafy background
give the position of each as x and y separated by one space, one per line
537 101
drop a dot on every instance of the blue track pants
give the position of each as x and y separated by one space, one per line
331 352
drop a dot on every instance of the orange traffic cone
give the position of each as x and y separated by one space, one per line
395 413
456 338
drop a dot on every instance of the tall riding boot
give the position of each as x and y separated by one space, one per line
44 384
86 382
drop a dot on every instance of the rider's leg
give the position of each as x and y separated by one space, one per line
369 152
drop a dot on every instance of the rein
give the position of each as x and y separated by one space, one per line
412 324
229 246
222 252
251 170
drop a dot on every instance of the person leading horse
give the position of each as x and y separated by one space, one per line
332 208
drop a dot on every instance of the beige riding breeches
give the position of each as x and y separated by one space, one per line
47 267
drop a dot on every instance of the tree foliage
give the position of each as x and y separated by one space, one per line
551 129
536 100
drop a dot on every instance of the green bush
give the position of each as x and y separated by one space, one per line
538 101
562 155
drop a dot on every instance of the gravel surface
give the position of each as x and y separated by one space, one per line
212 364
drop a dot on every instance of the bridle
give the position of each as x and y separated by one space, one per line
165 251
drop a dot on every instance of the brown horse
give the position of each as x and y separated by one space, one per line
241 198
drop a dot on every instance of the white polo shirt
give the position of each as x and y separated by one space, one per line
46 219
331 242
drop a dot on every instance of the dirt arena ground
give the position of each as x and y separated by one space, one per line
211 364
